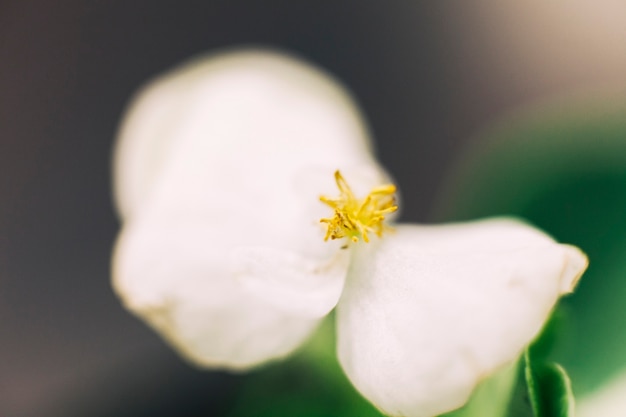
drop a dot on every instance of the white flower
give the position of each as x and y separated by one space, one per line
218 172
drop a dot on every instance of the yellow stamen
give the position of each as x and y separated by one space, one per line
355 218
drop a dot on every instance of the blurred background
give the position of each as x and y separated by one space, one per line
430 76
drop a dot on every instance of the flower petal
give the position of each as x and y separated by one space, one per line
217 162
249 111
167 274
429 312
290 282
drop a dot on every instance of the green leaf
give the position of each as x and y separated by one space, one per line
549 388
563 170
553 334
492 397
309 384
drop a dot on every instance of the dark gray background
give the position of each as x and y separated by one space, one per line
429 75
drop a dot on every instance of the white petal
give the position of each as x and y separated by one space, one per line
251 112
430 311
290 282
171 277
230 154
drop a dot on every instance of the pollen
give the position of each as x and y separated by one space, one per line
355 218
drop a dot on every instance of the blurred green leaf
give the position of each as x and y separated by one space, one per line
541 349
492 397
565 171
310 384
553 334
549 388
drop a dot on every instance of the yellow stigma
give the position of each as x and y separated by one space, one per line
354 218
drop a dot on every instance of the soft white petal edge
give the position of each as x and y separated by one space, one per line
236 88
429 312
289 282
167 277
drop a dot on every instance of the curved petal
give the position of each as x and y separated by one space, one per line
290 282
252 110
433 310
217 159
165 274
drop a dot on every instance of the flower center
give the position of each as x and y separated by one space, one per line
355 218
